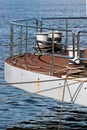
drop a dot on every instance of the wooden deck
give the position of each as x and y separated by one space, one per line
43 64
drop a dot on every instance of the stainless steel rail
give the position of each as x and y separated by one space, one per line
79 44
24 32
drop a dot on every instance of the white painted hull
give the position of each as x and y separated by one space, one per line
52 89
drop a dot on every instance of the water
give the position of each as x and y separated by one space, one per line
33 112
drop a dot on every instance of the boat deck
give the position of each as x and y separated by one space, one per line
43 64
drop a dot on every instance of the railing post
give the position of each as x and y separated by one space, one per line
20 46
26 48
52 60
78 44
11 42
66 32
36 25
73 43
26 42
41 26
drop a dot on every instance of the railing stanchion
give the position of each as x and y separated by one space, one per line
20 46
11 42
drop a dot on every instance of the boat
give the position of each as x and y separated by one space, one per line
48 57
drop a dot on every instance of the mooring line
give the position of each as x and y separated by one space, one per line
60 115
41 91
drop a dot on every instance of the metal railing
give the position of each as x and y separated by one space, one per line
23 35
82 45
75 24
20 25
38 28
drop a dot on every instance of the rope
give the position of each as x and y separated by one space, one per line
60 117
21 95
74 96
29 82
76 93
45 90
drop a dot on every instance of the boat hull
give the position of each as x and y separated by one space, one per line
46 85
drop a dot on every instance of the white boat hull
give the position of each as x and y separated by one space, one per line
75 91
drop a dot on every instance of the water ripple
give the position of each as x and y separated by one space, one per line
33 112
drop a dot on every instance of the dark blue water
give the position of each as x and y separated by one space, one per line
33 112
